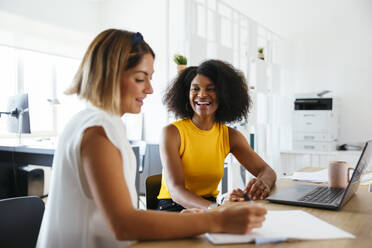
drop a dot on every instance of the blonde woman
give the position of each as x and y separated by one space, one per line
92 196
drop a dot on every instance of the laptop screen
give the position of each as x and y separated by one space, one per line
364 160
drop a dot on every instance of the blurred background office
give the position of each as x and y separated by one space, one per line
307 47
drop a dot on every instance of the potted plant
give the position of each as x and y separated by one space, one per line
260 54
181 62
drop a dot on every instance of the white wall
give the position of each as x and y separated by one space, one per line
329 47
52 26
150 18
328 44
78 15
337 55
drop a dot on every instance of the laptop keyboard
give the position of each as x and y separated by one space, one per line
322 195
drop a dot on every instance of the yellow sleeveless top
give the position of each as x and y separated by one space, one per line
203 153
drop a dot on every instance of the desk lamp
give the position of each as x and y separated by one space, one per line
18 112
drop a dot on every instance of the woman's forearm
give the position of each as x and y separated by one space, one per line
188 199
146 225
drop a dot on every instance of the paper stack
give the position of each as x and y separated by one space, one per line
280 226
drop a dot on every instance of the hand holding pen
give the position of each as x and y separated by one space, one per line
238 195
255 190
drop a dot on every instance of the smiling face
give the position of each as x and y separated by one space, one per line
203 96
135 85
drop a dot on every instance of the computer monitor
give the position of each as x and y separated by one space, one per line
18 114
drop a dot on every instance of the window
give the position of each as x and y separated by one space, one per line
8 74
37 82
44 77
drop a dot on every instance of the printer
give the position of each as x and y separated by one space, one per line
315 122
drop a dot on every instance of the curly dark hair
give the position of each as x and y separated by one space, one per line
232 92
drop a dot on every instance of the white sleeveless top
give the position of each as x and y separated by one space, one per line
71 217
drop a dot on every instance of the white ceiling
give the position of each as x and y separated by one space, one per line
288 18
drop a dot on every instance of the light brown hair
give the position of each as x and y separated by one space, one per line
99 75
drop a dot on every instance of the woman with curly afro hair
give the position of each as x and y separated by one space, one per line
193 149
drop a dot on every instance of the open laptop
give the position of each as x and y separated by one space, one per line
322 196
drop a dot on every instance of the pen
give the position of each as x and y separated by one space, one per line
247 198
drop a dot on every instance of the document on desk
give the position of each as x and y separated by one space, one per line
281 226
312 177
366 179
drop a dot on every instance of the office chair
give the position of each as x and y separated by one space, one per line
20 220
151 165
153 184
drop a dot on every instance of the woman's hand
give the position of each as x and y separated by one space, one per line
257 189
237 195
241 218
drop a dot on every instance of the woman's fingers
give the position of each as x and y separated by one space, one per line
236 195
264 193
256 217
256 189
242 218
259 190
257 209
250 184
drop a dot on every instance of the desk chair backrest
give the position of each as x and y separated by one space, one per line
20 220
153 184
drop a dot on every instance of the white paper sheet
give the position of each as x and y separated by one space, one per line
284 225
314 177
322 177
366 178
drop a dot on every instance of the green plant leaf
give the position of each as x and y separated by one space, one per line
180 59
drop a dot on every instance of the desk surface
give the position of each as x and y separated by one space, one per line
35 148
28 146
355 217
28 149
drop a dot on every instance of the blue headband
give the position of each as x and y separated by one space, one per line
137 37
